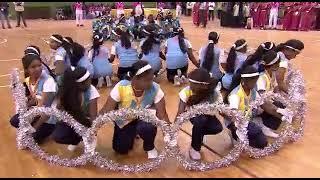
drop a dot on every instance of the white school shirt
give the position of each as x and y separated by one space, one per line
222 58
94 94
212 5
284 62
115 95
187 42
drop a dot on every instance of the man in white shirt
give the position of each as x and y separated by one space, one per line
19 8
189 8
211 10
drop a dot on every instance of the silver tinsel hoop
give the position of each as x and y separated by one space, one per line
294 100
141 114
241 123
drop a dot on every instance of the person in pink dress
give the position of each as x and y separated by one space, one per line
79 13
296 17
120 8
255 10
263 15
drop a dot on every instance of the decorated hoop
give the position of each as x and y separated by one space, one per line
284 133
296 95
241 123
144 115
26 136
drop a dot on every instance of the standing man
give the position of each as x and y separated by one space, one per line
189 8
4 12
211 10
203 10
178 9
19 8
79 13
273 16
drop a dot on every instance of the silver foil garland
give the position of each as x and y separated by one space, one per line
295 100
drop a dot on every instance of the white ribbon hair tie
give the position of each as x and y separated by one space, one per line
55 39
34 49
274 60
198 82
65 39
250 75
240 47
84 77
297 50
211 42
143 69
264 46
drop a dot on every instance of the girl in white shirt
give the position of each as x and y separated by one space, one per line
202 89
79 98
140 92
288 51
99 56
41 90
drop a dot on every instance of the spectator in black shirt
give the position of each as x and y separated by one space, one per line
4 12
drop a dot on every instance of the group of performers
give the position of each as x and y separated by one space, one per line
236 80
300 16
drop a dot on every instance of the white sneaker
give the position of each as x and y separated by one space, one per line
100 82
152 153
72 147
195 155
268 132
204 141
176 80
179 73
108 81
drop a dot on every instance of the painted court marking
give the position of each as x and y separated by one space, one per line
3 41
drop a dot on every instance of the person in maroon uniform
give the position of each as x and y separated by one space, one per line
288 15
296 17
263 15
196 14
255 10
307 17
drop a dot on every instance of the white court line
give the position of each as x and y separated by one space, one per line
8 60
5 86
4 75
4 41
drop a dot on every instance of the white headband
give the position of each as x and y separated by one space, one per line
198 82
250 75
145 31
34 49
264 46
54 38
97 36
65 39
84 77
31 53
143 69
274 60
115 33
292 48
240 47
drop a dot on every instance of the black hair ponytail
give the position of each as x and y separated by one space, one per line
209 57
232 56
96 45
148 43
77 53
67 43
70 95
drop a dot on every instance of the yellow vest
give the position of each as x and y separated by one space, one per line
244 99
